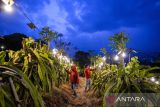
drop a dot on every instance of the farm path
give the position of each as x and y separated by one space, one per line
84 99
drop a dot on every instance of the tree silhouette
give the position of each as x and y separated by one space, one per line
12 41
118 43
82 58
47 35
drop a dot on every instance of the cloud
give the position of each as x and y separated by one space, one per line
52 14
94 41
112 14
80 10
89 23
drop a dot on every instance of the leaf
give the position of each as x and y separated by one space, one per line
2 57
2 101
40 73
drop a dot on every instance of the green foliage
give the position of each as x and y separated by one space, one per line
134 79
60 44
96 60
2 57
101 77
47 35
82 58
12 41
118 41
34 62
118 44
40 70
105 52
24 88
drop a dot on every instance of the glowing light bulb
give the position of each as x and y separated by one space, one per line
2 47
116 58
104 58
67 59
157 82
153 79
8 8
123 54
71 64
119 52
55 51
60 57
100 65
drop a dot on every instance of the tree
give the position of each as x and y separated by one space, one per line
106 54
118 43
82 58
12 41
91 52
60 44
48 35
95 60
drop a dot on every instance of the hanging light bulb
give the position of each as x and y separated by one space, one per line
10 2
71 63
60 57
104 58
55 51
100 65
8 8
123 54
119 52
157 82
116 58
153 79
2 47
8 5
66 59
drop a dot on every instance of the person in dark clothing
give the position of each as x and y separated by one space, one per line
74 78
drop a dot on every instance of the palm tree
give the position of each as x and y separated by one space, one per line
48 35
106 54
61 45
118 43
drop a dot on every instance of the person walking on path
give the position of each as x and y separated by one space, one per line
74 78
87 72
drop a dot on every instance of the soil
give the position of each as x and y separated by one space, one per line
62 97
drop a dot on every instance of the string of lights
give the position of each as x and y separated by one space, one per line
31 24
8 7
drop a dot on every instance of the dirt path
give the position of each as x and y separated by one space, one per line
84 99
62 97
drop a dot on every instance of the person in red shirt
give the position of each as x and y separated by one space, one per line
74 78
87 72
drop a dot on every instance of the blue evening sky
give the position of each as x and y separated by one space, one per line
89 23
